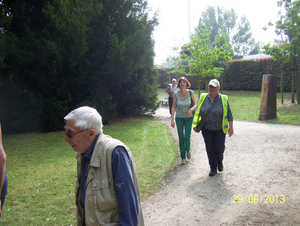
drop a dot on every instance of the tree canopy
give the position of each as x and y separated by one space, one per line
206 62
288 50
233 29
58 55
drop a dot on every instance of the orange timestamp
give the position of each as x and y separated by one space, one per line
258 199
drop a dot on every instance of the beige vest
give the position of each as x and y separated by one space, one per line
101 207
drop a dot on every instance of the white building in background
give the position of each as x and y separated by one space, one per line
256 56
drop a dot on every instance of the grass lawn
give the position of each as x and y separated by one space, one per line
41 167
245 106
41 170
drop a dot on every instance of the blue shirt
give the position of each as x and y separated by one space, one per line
123 183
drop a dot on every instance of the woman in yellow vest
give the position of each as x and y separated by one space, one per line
214 110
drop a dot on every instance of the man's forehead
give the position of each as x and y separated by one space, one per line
70 124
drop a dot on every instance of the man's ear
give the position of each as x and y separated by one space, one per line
92 134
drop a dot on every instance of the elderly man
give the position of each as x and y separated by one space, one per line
107 190
171 91
3 176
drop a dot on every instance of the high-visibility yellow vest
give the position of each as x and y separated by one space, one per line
197 116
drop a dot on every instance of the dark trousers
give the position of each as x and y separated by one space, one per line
215 146
170 104
4 191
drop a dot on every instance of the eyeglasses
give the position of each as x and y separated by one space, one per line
70 135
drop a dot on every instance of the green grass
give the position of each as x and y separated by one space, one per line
41 167
245 106
42 170
152 146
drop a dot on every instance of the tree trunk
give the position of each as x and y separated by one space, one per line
298 97
293 88
281 85
268 104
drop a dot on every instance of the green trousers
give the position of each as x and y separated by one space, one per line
184 128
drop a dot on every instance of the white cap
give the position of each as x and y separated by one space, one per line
174 79
214 83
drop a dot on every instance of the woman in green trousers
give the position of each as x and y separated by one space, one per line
183 107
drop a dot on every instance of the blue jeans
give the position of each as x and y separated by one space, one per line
184 129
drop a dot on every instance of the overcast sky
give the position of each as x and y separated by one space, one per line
173 28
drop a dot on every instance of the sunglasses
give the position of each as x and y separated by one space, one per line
70 135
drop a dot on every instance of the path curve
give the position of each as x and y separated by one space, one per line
260 159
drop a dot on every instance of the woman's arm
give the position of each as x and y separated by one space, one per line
230 129
193 108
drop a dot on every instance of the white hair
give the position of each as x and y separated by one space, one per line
86 118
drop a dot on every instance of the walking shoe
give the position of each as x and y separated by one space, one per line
220 167
183 162
189 155
212 173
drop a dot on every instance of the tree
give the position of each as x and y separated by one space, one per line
289 24
279 53
65 54
180 61
45 63
206 61
243 41
226 23
121 56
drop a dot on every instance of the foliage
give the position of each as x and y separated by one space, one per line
243 41
279 53
227 25
246 75
206 62
289 25
90 52
180 62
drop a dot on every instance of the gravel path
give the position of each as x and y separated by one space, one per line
259 184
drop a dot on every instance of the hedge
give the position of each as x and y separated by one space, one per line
242 75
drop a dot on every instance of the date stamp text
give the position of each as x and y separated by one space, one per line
258 199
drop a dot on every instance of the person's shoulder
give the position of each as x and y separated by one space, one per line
223 96
191 91
120 149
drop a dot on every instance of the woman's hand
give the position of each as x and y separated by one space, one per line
230 129
173 123
190 112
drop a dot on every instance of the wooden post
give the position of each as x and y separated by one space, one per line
268 106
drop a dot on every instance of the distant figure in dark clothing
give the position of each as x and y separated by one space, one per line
171 91
3 176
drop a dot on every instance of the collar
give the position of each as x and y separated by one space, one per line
89 153
218 95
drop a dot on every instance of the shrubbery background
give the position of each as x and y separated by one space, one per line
242 75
